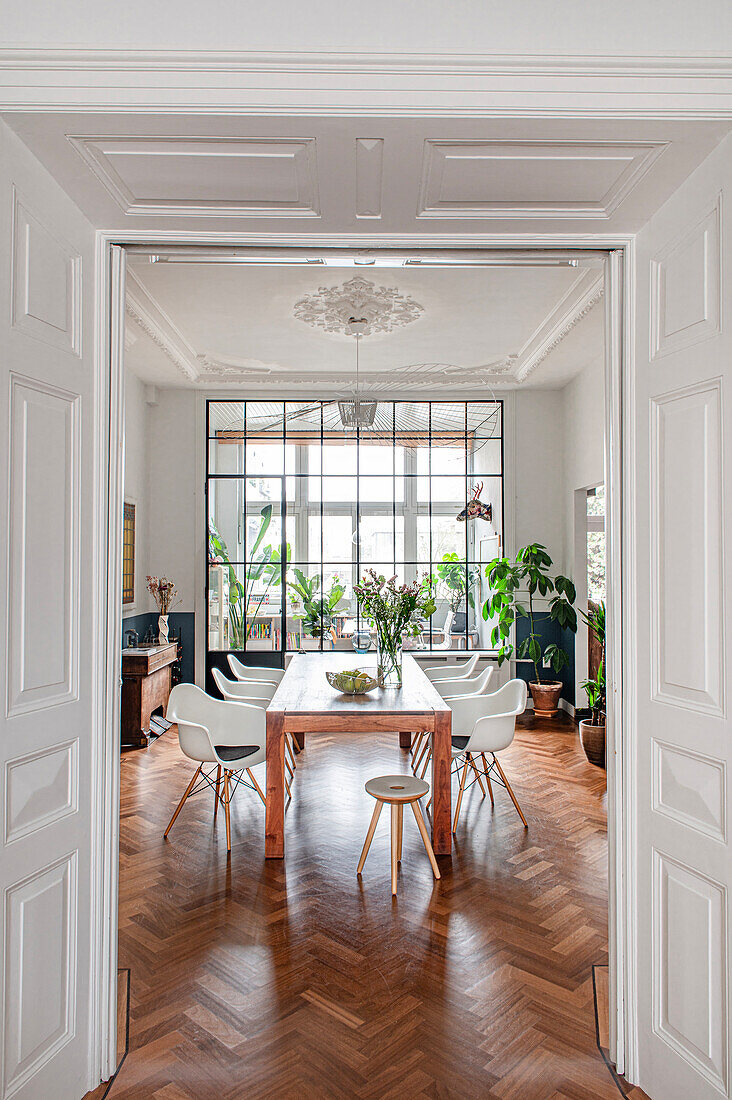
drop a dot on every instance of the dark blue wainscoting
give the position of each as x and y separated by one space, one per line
549 631
180 622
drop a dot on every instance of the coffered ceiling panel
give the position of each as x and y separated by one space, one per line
537 179
204 177
366 175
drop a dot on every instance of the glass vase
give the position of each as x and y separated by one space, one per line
389 662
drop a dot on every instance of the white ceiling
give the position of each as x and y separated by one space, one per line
206 324
366 175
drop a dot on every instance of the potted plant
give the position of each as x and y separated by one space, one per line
452 576
317 610
507 579
395 611
592 730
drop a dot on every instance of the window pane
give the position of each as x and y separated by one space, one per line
448 537
263 489
484 419
596 565
485 457
225 512
225 416
596 501
338 536
377 538
263 532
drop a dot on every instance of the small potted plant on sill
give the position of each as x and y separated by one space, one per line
455 580
592 730
317 613
530 572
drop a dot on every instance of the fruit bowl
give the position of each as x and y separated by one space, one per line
352 681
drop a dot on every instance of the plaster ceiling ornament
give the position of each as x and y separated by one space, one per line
357 307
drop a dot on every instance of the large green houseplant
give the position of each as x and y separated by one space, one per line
509 580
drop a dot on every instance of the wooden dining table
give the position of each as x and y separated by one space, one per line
306 703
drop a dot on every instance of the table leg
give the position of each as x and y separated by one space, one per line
405 739
274 832
441 794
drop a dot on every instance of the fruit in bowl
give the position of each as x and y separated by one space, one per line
352 681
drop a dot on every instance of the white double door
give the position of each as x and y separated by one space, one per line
47 399
683 536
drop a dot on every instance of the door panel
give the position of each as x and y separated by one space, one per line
47 402
682 532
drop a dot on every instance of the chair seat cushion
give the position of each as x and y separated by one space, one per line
235 752
460 742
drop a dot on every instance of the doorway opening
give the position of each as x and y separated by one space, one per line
179 456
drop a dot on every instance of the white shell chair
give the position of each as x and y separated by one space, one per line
477 685
485 724
259 694
230 738
453 670
255 672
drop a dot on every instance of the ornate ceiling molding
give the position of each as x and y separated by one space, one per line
145 312
582 297
379 308
414 376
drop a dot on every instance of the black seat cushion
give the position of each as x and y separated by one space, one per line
235 752
459 742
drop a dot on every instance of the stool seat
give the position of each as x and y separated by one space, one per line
398 791
397 788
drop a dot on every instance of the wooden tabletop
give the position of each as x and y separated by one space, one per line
305 690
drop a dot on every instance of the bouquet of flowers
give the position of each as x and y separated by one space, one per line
395 610
162 591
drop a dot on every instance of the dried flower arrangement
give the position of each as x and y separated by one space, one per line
162 591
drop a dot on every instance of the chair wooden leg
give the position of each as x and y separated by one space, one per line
424 750
226 810
216 792
257 788
510 791
477 773
417 744
179 807
423 773
394 841
369 835
289 750
416 810
463 777
400 823
487 778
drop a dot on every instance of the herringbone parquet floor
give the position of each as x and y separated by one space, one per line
294 980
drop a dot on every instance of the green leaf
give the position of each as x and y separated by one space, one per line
266 514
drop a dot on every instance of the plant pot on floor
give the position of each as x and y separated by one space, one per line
546 697
593 742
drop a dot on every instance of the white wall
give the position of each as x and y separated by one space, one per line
583 427
563 27
136 488
537 454
173 496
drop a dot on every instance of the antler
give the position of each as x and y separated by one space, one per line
477 491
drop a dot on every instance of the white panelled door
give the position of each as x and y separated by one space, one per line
683 532
47 494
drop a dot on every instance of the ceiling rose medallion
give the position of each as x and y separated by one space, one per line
358 302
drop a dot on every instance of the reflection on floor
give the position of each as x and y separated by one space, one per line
294 979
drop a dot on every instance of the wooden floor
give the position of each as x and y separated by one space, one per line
294 979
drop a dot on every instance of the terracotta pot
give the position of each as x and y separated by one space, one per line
546 697
593 742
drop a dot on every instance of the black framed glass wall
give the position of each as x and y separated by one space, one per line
298 507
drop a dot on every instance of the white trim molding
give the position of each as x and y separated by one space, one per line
586 292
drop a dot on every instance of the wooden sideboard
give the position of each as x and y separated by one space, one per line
146 682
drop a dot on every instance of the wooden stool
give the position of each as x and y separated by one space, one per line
396 790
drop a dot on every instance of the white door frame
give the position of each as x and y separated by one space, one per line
618 479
